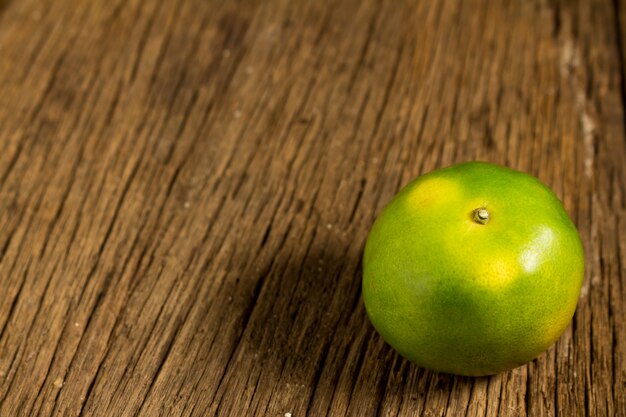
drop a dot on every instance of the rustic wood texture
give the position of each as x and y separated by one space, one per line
186 188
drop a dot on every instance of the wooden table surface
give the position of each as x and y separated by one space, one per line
186 188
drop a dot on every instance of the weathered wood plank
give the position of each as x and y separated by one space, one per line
186 188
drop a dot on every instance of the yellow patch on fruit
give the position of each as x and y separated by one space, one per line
434 191
497 272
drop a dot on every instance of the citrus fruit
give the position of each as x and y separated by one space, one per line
472 269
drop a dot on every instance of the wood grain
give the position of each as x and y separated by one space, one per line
186 188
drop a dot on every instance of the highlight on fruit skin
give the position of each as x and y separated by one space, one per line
473 269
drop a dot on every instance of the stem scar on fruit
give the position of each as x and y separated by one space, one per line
481 215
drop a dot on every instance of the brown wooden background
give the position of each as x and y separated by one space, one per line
186 188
